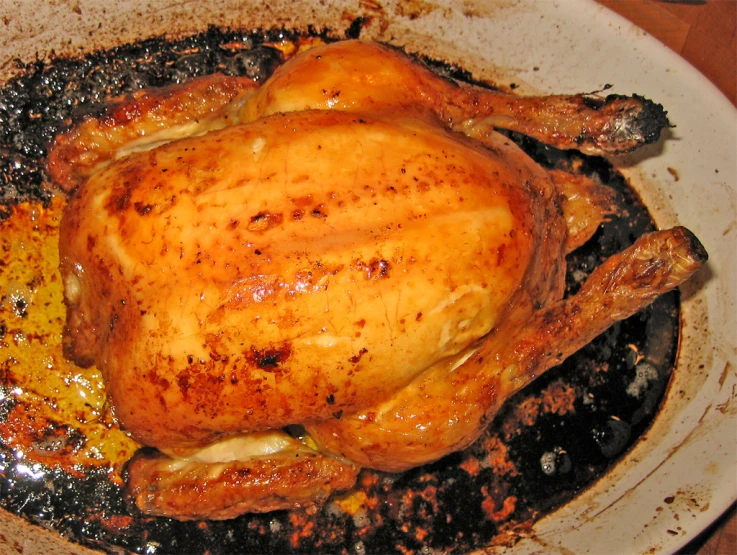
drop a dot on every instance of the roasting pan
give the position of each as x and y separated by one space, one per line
680 475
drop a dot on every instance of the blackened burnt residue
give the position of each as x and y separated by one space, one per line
649 122
45 96
549 442
652 119
454 71
354 29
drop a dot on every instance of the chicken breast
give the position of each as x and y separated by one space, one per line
351 248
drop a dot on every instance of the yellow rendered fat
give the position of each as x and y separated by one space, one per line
352 502
51 411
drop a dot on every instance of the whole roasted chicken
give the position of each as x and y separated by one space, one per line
344 267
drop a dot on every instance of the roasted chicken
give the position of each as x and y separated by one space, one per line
344 267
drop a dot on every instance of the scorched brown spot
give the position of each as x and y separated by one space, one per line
119 199
356 358
142 208
375 269
269 359
319 211
216 344
263 221
157 380
202 382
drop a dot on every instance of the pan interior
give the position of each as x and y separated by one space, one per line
61 464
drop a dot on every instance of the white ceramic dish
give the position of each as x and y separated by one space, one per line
683 474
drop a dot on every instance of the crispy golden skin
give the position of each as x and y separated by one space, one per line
448 407
220 295
291 478
350 247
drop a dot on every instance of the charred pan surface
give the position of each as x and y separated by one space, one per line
47 97
550 441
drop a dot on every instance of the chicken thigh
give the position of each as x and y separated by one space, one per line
350 247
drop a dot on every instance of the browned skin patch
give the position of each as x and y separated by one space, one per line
269 358
263 221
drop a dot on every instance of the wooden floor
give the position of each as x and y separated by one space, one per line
704 33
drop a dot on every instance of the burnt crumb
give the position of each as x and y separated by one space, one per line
319 211
7 404
652 119
330 400
20 307
270 358
354 29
